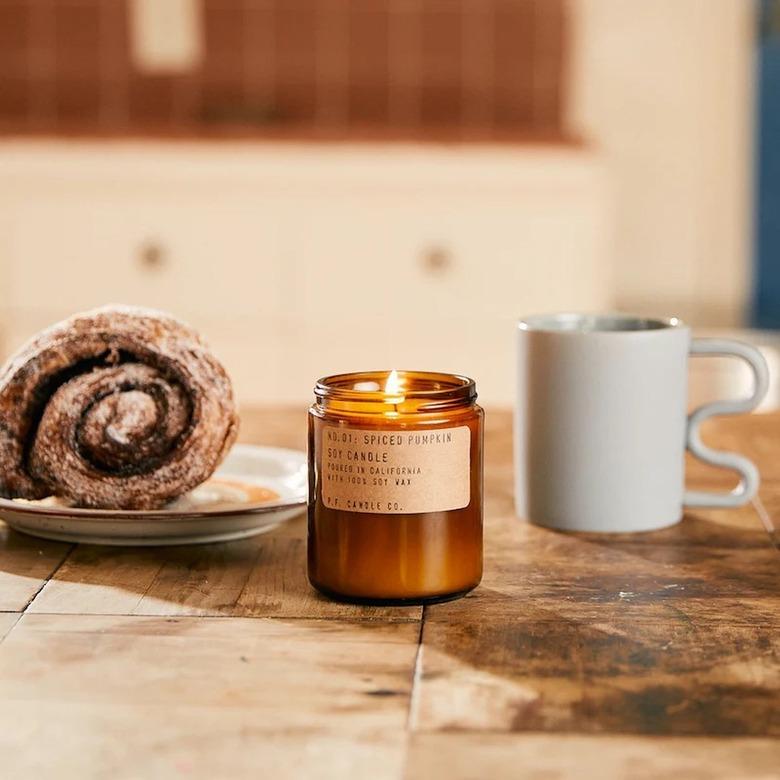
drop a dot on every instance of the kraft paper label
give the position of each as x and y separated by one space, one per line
396 472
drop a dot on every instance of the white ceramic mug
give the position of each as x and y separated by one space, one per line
601 426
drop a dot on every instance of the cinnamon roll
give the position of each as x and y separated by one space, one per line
118 408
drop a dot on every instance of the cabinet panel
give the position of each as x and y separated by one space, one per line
384 259
188 255
300 260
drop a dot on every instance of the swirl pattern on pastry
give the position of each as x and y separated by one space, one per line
117 408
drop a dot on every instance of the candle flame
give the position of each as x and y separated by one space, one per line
393 383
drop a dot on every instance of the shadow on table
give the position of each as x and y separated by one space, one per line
263 576
672 632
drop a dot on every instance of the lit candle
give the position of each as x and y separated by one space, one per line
395 487
393 390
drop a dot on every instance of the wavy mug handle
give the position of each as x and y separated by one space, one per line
748 473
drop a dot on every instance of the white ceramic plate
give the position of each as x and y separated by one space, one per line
234 504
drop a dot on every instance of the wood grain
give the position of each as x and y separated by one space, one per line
126 696
7 621
580 655
670 632
514 671
260 577
25 565
264 576
545 757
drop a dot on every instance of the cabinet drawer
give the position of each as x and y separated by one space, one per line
186 255
295 261
386 260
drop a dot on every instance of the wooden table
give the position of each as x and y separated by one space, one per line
654 655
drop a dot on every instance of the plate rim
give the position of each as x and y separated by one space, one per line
136 515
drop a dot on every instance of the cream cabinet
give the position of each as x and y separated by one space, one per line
296 260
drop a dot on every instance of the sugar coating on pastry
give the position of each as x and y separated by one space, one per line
120 407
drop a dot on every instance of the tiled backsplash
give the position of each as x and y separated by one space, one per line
340 68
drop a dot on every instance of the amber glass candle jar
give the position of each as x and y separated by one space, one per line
395 487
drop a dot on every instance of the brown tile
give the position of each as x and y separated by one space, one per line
295 60
478 68
441 71
296 39
225 102
442 43
331 51
260 55
405 64
224 22
187 99
548 82
368 63
78 103
14 40
150 99
14 22
77 37
42 98
114 31
115 65
513 38
296 103
368 105
14 98
441 105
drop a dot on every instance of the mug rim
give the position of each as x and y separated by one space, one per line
587 324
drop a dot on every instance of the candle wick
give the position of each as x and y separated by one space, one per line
393 389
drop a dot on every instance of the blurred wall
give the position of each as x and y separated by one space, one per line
298 260
421 69
276 250
665 90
